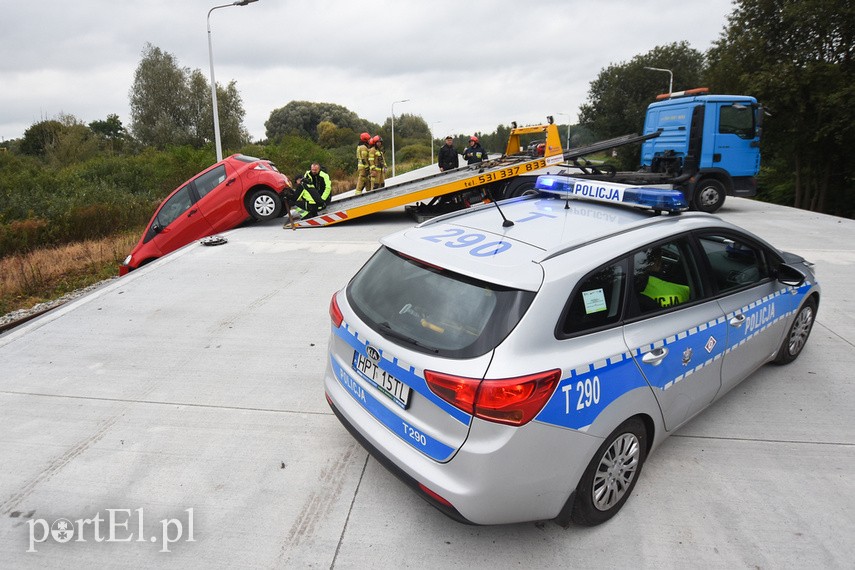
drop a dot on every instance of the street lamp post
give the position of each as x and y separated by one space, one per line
393 133
430 129
670 73
217 141
568 127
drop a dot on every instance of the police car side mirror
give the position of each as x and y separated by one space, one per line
789 276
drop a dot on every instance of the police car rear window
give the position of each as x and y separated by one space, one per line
432 310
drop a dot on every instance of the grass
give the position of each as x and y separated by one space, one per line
48 273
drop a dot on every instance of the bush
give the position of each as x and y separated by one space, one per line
413 152
23 235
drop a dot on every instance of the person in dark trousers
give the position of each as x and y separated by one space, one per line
474 153
448 159
319 181
307 198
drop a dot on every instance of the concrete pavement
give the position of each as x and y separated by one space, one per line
190 394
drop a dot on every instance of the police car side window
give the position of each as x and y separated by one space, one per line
734 263
597 300
664 276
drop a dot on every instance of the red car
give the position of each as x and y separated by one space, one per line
215 200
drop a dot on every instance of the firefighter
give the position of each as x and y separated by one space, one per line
319 181
474 153
448 159
363 166
378 170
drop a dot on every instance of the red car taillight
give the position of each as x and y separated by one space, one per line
335 312
512 401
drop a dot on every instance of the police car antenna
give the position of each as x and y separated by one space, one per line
506 223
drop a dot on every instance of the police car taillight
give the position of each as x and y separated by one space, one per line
335 312
512 401
568 188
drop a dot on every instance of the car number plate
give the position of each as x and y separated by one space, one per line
382 380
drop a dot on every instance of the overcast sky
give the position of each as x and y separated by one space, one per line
466 66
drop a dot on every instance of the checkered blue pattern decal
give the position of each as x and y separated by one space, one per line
590 388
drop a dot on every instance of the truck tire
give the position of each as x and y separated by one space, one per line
709 195
516 188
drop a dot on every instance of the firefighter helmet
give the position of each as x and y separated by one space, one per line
473 138
376 139
365 137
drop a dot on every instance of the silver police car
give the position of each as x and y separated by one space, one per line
519 362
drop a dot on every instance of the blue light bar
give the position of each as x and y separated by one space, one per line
567 187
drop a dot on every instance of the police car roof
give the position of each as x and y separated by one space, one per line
474 242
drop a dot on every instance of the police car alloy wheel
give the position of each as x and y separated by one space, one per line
798 334
611 475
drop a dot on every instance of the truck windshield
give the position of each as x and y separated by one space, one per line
737 120
431 310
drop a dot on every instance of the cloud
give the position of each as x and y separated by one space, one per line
468 66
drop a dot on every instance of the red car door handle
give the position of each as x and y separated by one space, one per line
191 212
231 181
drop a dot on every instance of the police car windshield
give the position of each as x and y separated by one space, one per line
431 310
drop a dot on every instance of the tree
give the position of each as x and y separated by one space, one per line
159 100
171 105
75 142
110 130
408 126
332 136
619 96
796 58
40 136
302 118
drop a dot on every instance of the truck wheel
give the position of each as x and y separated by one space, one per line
709 195
264 205
518 188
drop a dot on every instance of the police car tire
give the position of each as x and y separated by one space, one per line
264 205
630 435
798 333
709 195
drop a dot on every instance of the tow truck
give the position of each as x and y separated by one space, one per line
705 146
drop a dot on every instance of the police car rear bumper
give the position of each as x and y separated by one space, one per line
500 475
390 466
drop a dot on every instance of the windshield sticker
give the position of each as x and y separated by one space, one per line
595 301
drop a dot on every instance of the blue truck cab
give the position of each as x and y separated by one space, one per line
710 143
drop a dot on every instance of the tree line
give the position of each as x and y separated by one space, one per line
66 180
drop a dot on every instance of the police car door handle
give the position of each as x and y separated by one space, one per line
737 320
655 356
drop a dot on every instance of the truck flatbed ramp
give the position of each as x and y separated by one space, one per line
424 189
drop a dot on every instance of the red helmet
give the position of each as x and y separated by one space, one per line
365 137
376 139
473 138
